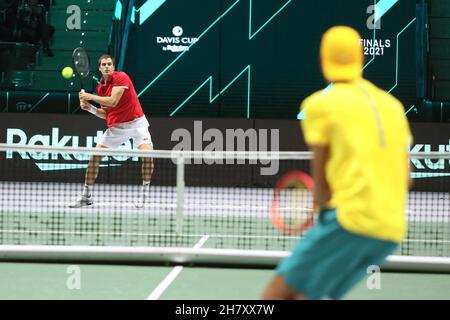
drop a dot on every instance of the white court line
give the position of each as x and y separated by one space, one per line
426 241
88 233
201 242
114 204
165 283
198 245
168 205
172 275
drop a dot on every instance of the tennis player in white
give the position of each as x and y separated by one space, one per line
125 119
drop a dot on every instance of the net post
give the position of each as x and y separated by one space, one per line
180 195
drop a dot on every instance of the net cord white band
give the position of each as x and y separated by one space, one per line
199 256
189 154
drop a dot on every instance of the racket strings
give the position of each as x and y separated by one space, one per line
293 203
81 62
295 206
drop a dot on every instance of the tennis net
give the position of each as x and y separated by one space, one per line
215 204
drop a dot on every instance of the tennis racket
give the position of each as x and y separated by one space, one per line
292 207
81 64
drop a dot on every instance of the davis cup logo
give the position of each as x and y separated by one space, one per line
177 31
176 43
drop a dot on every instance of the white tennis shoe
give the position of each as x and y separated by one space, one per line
82 201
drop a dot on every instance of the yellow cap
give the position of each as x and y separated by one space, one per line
341 54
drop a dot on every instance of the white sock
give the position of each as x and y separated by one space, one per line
87 191
146 183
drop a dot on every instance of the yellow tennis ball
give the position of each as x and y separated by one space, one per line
67 72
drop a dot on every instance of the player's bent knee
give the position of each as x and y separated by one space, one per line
279 290
145 146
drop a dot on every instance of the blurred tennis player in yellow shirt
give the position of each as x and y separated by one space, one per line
359 136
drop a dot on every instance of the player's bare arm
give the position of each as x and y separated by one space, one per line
410 180
99 112
112 100
322 189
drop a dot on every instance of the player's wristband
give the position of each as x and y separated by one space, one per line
93 110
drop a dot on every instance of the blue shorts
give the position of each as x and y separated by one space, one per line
329 260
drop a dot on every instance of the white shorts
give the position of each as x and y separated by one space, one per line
137 130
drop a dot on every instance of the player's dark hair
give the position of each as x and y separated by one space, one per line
105 56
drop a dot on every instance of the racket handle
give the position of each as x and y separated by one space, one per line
82 90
